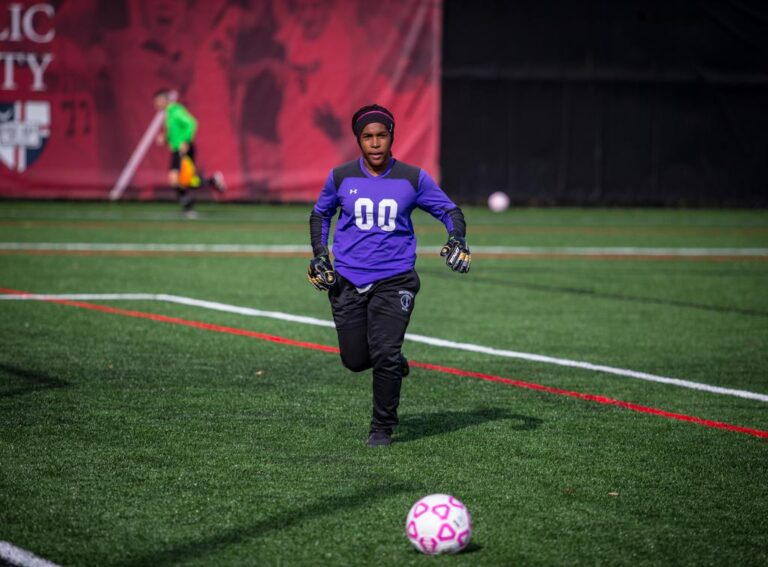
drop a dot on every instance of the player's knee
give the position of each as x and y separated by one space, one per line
357 363
386 358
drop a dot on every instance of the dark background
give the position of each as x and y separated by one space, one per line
585 102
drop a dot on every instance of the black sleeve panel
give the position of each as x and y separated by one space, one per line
411 173
316 234
459 225
349 169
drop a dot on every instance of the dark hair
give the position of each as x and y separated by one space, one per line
370 114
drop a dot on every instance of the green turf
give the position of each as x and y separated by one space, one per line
125 441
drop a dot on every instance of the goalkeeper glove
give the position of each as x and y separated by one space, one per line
456 254
321 273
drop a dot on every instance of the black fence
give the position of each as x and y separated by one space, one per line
578 102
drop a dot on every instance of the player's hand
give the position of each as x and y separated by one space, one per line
321 273
160 140
183 148
456 254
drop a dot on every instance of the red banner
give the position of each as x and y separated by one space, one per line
273 85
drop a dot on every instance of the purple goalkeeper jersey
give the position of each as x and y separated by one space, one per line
374 236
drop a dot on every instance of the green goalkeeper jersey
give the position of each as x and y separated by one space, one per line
180 125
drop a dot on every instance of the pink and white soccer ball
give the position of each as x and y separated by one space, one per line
439 523
498 202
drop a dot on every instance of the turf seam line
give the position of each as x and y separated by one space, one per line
618 252
433 341
19 557
442 369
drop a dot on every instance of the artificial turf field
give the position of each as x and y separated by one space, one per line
150 432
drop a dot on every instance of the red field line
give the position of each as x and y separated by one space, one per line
195 324
444 369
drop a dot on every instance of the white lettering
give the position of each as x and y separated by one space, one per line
10 59
386 218
364 207
16 134
38 69
387 221
22 24
13 34
29 27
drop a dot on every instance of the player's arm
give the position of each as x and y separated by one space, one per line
320 272
455 250
434 200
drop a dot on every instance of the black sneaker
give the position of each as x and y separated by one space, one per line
378 439
405 368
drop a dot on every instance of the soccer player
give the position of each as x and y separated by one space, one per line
180 129
373 285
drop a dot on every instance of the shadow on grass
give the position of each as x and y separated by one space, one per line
413 427
471 548
325 506
23 381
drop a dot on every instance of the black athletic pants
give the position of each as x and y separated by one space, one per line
371 327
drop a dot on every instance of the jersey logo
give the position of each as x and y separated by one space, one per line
406 300
353 191
24 130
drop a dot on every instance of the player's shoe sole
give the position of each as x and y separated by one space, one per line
378 439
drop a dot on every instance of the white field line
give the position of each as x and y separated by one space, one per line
13 555
154 247
621 251
213 305
304 248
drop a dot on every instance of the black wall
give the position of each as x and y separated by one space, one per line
606 102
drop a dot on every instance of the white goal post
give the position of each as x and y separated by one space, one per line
138 154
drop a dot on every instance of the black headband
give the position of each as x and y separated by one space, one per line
372 116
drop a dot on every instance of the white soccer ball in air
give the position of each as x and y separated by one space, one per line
498 202
438 523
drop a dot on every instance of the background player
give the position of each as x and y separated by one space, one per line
373 286
180 129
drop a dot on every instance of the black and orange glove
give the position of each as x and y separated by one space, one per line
456 254
321 273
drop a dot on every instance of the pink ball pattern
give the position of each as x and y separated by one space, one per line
438 523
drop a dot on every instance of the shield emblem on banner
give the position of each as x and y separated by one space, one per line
24 131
